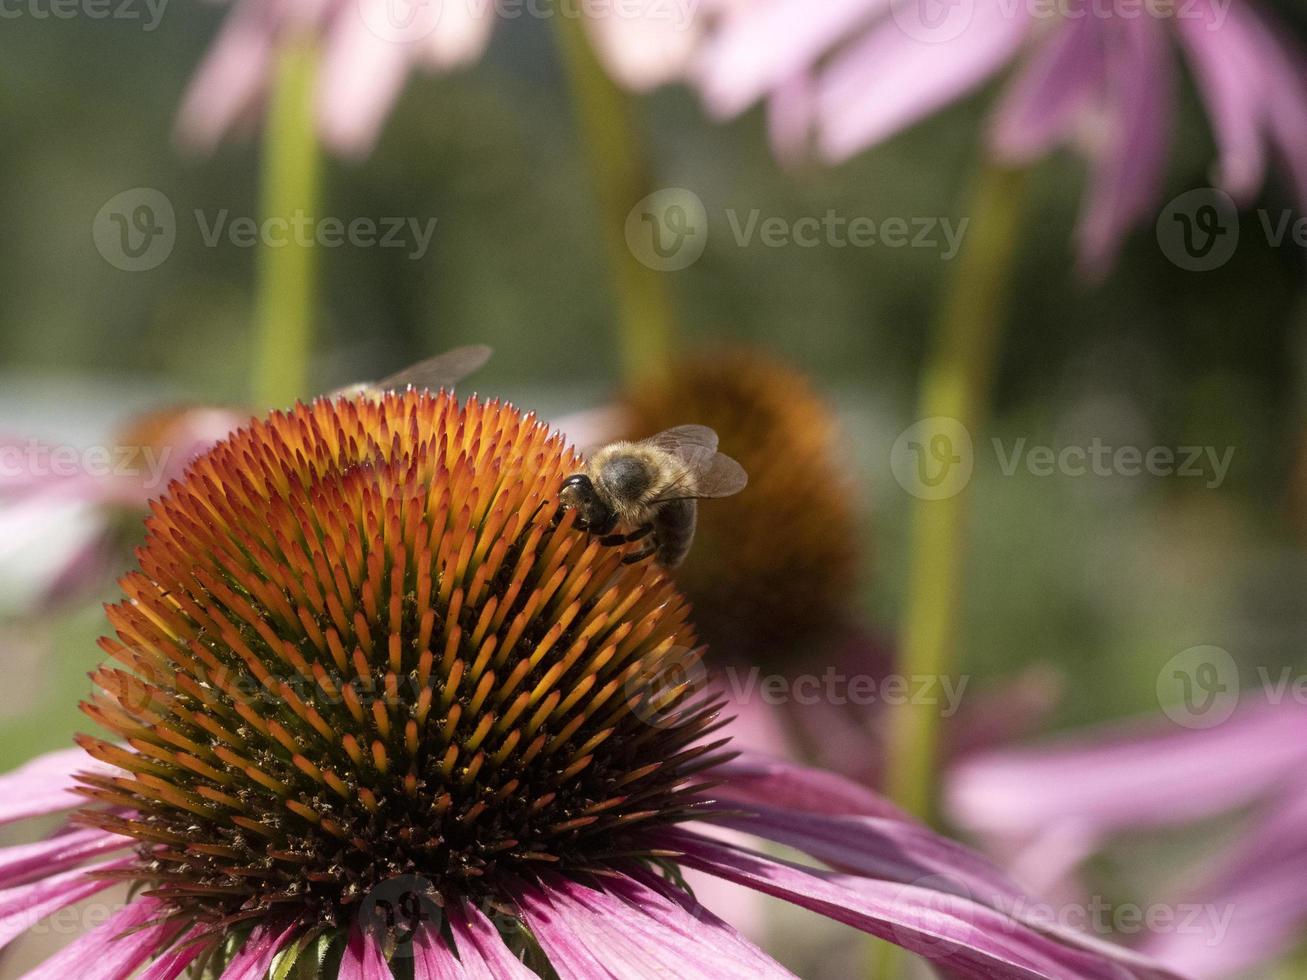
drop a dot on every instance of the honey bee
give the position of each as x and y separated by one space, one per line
652 489
442 371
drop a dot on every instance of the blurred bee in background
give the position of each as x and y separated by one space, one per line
651 487
442 371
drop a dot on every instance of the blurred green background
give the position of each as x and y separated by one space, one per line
1105 577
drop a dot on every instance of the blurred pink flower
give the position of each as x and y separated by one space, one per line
369 47
847 74
61 507
1047 810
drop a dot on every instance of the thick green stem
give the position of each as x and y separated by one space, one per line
956 384
286 263
645 311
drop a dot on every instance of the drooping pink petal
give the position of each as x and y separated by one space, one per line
893 850
432 959
1140 774
1284 68
232 78
363 958
965 938
260 949
1226 66
767 43
1253 904
1040 107
23 907
756 778
645 45
26 861
587 933
1128 166
113 950
174 962
46 785
361 77
461 35
891 79
790 117
480 947
658 898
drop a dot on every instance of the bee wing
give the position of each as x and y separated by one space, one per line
711 473
442 371
686 440
722 477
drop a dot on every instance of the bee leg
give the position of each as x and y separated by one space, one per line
612 540
640 555
640 532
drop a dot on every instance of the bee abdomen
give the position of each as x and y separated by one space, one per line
674 527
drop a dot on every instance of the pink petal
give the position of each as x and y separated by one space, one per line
173 963
1129 776
1128 168
1227 67
21 863
590 933
965 938
1285 71
646 46
46 785
480 947
790 116
23 907
231 79
1058 82
1262 886
432 959
363 958
260 949
361 77
767 43
891 79
112 950
755 778
462 34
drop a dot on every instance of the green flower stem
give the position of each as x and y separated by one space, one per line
286 272
645 311
957 384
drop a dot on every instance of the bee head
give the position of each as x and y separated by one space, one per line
592 514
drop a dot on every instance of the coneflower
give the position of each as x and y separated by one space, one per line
376 715
772 572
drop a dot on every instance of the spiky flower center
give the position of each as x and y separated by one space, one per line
357 649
